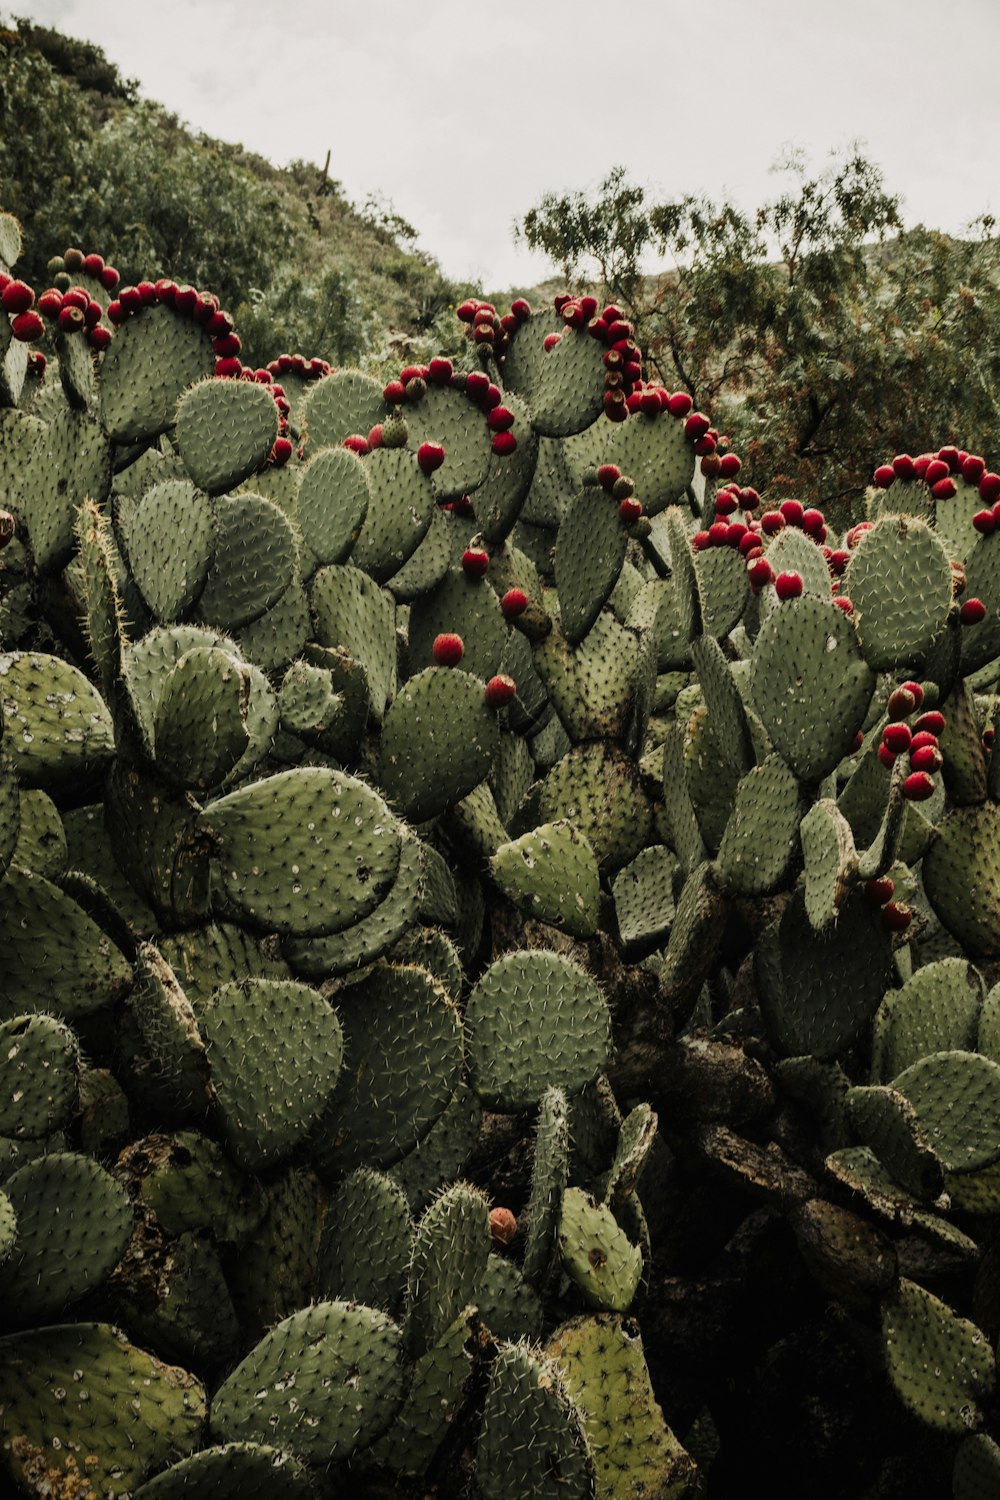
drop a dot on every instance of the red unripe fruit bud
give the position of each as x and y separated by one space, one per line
109 278
430 456
859 739
503 1226
788 585
411 372
448 649
466 311
607 475
696 426
886 756
918 786
943 489
842 602
880 890
897 737
475 562
17 297
896 916
394 392
793 511
679 404
503 444
227 344
99 338
228 369
28 326
70 319
985 522
50 303
760 572
521 308
500 419
926 758
989 488
36 366
757 551
931 722
771 522
972 612
514 603
884 476
729 465
700 541
357 444
629 510
904 467
550 341
76 297
623 488
282 451
500 691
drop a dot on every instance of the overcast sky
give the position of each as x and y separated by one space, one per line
463 114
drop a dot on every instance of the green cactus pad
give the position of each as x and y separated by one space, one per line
593 687
53 957
552 484
349 1381
467 607
724 703
711 781
936 1010
831 862
940 1366
169 537
403 1062
206 958
83 1389
73 1224
105 622
306 852
89 852
201 731
157 843
508 1306
534 1021
636 1456
169 1031
981 644
429 564
792 551
438 742
761 839
233 1471
549 1177
590 552
957 1099
652 450
885 1121
39 1076
965 774
340 405
372 936
643 893
349 610
818 990
58 730
70 463
275 1272
552 874
277 636
436 1397
151 360
597 1255
367 1241
500 497
448 1261
899 581
961 876
333 500
440 1156
402 506
596 787
563 386
253 563
445 415
11 797
189 1183
976 1475
225 430
679 820
723 589
532 1442
810 684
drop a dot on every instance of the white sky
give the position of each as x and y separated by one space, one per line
463 114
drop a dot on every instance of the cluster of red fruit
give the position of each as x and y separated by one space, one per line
919 741
18 301
297 364
74 310
618 485
412 383
486 328
937 471
201 307
622 356
896 915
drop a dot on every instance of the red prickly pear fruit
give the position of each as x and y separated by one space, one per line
985 522
771 522
375 436
70 319
916 690
109 278
972 468
221 322
167 291
448 649
897 737
931 722
788 585
793 511
729 465
227 344
17 297
28 326
130 299
936 470
357 444
943 489
725 503
760 573
500 691
814 522
918 786
514 603
751 540
926 758
607 474
521 308
884 475
711 463
92 314
615 406
718 533
93 264
476 385
897 916
696 426
394 393
550 341
466 311
989 735
972 612
886 756
902 703
500 419
228 369
503 1226
483 333
855 534
950 455
859 739
680 404
989 488
76 297
700 541
735 532
430 456
282 451
503 444
440 370
842 602
50 303
880 890
99 338
629 510
147 293
475 562
924 737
